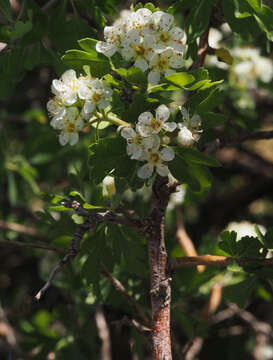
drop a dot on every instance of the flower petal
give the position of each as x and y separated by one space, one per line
134 151
64 138
154 77
167 154
72 113
128 133
145 171
88 108
185 137
106 49
74 138
145 118
162 170
57 87
163 20
68 76
141 64
162 113
169 126
79 123
176 33
176 61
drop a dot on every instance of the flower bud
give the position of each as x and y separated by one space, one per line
108 186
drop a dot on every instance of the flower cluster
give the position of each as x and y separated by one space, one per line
74 102
252 66
146 143
189 128
150 40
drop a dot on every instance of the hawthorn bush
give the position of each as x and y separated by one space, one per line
136 177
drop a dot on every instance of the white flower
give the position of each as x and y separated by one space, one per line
136 144
155 159
140 49
163 21
139 35
162 62
252 66
189 129
141 20
58 110
71 124
215 36
66 89
95 93
148 124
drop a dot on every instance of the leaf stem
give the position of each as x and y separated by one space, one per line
111 118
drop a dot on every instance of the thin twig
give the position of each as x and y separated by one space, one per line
92 220
48 5
107 216
193 347
184 240
22 229
132 322
202 51
104 334
73 251
213 260
213 303
217 144
35 245
119 287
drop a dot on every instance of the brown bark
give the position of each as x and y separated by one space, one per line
159 274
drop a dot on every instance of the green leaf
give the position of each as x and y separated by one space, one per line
197 20
21 28
228 243
88 45
214 98
133 75
77 219
202 174
77 196
255 4
246 27
265 21
240 292
268 239
99 64
98 250
107 155
192 155
211 119
181 171
5 8
249 246
180 79
93 207
59 208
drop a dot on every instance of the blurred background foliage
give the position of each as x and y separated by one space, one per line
66 323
